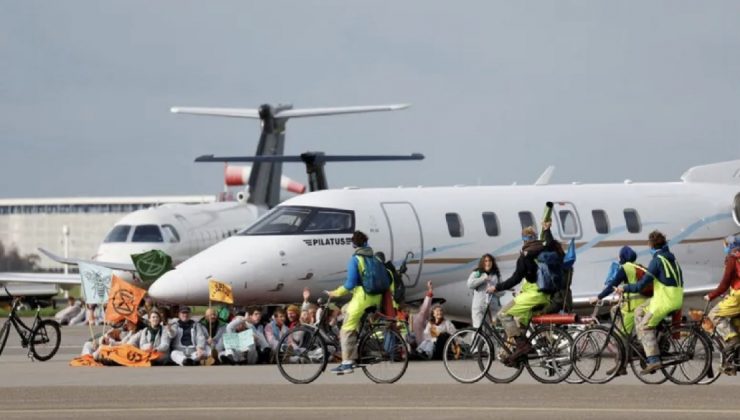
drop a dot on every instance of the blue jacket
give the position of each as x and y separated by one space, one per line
619 278
354 278
655 271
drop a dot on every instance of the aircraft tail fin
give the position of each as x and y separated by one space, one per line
714 173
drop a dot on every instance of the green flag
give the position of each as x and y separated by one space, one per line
152 264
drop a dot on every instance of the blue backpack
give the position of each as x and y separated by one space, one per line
375 277
549 272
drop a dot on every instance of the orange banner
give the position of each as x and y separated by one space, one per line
123 301
84 361
128 355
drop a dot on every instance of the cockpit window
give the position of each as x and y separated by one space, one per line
118 234
147 233
328 221
170 233
294 220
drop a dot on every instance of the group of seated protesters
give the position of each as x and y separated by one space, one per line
184 341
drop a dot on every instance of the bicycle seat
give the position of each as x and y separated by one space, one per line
556 319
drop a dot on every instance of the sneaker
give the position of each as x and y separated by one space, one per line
188 362
651 368
225 359
343 369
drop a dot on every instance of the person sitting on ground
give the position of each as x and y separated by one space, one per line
213 329
436 333
73 308
258 330
189 341
276 329
81 317
293 314
242 322
153 337
118 335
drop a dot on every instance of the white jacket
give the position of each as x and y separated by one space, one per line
479 282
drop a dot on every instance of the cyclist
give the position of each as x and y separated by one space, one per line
667 279
722 314
629 272
517 313
356 306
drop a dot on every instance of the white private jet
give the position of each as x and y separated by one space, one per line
305 241
182 230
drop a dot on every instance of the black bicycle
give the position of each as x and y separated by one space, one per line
304 352
42 338
472 353
600 353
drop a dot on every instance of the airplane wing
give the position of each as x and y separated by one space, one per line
74 261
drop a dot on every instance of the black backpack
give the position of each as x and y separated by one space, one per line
399 289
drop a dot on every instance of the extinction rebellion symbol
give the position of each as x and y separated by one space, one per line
123 303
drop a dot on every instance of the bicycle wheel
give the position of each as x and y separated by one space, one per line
597 355
638 362
467 355
499 372
715 367
384 355
4 335
690 352
549 361
45 340
302 355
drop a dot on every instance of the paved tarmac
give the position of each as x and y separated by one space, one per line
52 389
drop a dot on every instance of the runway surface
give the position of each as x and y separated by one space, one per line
54 390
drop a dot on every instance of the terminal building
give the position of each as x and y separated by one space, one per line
70 226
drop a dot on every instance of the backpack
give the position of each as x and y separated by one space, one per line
375 277
399 289
549 272
640 271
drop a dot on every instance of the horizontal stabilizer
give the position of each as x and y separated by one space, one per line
715 173
318 112
75 261
314 157
286 113
218 112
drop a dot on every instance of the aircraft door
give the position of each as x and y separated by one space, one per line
406 237
566 219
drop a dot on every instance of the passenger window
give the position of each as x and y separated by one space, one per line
170 233
568 223
118 234
633 221
454 225
147 233
490 221
601 221
526 218
330 221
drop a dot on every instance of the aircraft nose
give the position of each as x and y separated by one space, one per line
171 287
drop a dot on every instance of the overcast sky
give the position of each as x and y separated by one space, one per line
603 90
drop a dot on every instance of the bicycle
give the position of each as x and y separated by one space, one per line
717 365
472 353
304 352
679 347
42 338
